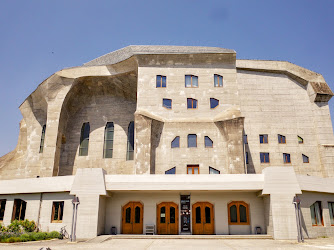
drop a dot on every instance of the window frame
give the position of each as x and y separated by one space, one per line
308 159
211 103
60 215
15 206
265 162
222 81
192 103
286 157
191 81
161 78
193 167
315 214
167 99
280 139
237 204
205 142
188 141
265 139
171 144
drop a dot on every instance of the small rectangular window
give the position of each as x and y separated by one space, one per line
281 139
41 146
192 141
84 139
191 103
286 158
208 142
218 80
245 139
171 171
167 103
192 169
264 157
176 142
263 139
19 209
246 157
213 103
300 140
316 214
213 171
57 211
161 81
305 159
191 81
108 140
2 209
331 212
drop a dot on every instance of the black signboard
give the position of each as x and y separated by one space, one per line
185 213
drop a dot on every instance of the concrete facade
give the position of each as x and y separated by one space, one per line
256 98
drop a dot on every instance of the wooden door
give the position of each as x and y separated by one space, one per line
203 218
132 218
167 218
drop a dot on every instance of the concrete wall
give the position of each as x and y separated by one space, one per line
218 199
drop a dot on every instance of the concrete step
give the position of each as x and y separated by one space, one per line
143 236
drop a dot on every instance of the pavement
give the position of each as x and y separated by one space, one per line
175 244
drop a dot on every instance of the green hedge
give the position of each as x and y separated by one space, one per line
33 236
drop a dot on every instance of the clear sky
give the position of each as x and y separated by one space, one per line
39 38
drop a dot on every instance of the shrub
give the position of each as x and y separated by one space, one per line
40 236
24 237
15 227
28 226
53 234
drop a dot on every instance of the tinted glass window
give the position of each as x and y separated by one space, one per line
218 81
161 81
192 141
41 147
191 103
163 215
243 213
207 215
233 213
128 215
2 209
172 214
167 103
84 139
208 142
171 171
213 171
137 215
213 103
108 140
198 215
305 159
131 141
176 142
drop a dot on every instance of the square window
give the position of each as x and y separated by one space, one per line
176 142
305 159
281 139
191 81
57 211
264 157
191 103
286 158
213 103
263 139
167 103
192 141
208 142
193 169
218 80
213 171
161 81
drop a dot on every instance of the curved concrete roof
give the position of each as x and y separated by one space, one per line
127 52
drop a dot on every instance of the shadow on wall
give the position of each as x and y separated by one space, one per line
156 132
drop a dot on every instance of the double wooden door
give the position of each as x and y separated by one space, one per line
167 218
203 218
132 218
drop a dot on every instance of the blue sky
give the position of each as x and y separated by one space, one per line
39 38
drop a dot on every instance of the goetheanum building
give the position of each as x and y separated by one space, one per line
181 140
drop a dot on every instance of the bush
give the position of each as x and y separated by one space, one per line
53 235
25 237
40 236
28 226
15 227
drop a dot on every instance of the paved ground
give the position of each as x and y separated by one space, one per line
193 244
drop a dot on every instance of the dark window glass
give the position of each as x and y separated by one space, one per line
128 215
213 103
208 142
161 81
2 209
316 213
300 140
245 139
84 139
243 213
41 147
19 209
137 215
286 158
207 215
246 157
281 139
264 157
171 171
191 103
163 215
191 81
192 141
172 214
331 212
305 159
198 215
131 141
263 139
233 213
176 142
57 210
108 140
218 81
167 103
213 171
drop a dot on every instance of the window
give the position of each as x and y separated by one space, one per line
316 214
171 171
281 139
246 157
192 141
84 139
191 81
131 142
218 80
331 212
264 157
213 171
208 142
263 139
2 209
191 103
213 103
167 103
161 81
238 213
108 140
192 169
19 209
176 142
245 139
57 211
305 159
286 158
41 146
300 140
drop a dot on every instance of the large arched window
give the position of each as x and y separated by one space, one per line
238 213
131 140
108 140
84 139
41 146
